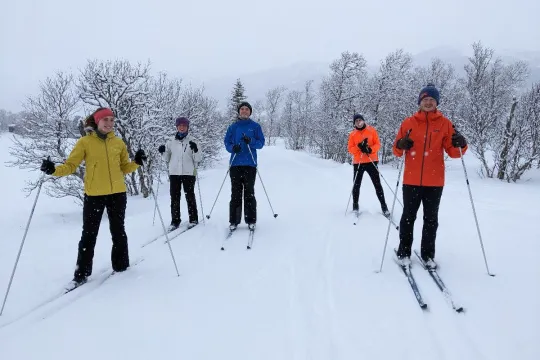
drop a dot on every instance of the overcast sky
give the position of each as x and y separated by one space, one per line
211 38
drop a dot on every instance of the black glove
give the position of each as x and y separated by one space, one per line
364 147
246 139
236 148
405 143
193 147
47 166
140 156
458 140
161 149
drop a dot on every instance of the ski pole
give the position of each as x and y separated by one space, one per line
164 230
393 204
157 192
199 187
260 178
369 157
22 243
350 196
474 212
225 178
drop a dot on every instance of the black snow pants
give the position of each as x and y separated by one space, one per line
430 198
176 182
375 178
92 213
243 182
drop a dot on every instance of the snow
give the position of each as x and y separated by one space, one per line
307 290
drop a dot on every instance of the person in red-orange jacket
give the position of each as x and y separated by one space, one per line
363 145
424 138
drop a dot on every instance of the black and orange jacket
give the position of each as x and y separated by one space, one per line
357 136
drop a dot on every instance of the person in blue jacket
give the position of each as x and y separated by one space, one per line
243 138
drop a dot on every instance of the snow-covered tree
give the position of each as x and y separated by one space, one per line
237 96
391 97
339 94
489 88
49 132
298 116
274 98
521 145
124 88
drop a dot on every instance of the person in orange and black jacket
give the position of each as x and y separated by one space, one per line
424 138
363 145
106 163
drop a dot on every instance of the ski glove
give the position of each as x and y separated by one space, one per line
364 147
161 149
246 139
236 148
193 147
140 156
405 143
47 166
458 140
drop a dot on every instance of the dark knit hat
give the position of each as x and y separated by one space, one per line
356 117
245 103
182 120
429 91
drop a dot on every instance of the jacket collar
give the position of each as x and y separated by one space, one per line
430 115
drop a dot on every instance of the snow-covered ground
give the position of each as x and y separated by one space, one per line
307 290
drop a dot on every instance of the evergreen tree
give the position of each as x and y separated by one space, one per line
237 96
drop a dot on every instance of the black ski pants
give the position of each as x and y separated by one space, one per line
243 182
176 182
430 198
92 213
371 169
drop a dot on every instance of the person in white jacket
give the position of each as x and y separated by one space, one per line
182 155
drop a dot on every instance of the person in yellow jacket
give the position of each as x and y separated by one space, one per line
363 145
106 162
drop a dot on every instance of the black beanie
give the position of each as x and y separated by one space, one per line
356 117
429 91
245 103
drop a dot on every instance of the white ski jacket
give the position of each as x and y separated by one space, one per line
180 159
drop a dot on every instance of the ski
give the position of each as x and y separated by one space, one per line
356 216
408 273
391 220
440 284
250 238
101 278
179 229
180 233
229 235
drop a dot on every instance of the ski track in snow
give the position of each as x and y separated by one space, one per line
306 290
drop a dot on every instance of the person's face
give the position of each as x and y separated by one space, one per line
428 104
106 124
182 128
244 112
359 123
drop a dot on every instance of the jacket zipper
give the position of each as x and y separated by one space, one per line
108 164
430 134
424 152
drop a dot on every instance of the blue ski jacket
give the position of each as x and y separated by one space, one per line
234 135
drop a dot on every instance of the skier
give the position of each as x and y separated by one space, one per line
182 154
242 140
431 134
363 146
106 162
